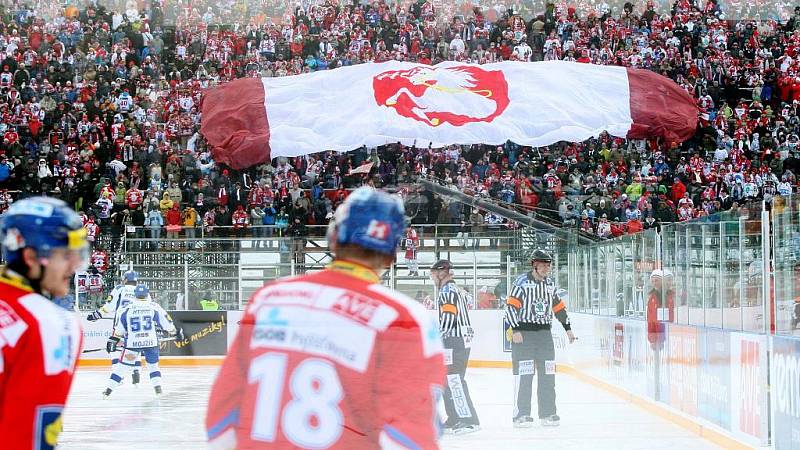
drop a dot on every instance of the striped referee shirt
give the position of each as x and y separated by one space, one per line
453 311
531 304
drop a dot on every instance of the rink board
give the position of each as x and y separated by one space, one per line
710 381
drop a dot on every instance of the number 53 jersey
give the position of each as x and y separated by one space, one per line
139 323
329 360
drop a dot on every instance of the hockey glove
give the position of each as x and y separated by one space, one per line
111 345
95 315
179 336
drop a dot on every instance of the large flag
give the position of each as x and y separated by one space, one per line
250 120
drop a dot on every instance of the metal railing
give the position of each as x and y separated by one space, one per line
229 265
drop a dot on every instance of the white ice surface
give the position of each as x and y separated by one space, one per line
134 419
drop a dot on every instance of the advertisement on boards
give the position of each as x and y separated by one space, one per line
785 389
205 334
619 344
683 373
95 336
749 415
714 387
635 356
507 333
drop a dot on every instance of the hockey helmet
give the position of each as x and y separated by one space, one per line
370 219
541 256
130 276
43 224
141 291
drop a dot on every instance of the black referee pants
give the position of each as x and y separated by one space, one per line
536 354
457 402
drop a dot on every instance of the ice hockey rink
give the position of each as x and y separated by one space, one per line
591 418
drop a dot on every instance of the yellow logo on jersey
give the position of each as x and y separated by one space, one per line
52 431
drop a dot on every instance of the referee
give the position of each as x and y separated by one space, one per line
457 337
530 306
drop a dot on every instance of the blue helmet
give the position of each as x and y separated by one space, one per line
370 219
43 224
130 276
141 291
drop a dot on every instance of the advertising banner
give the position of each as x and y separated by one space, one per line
786 392
619 344
205 332
507 332
683 373
95 336
714 389
749 400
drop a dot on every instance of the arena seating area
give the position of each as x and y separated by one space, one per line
100 105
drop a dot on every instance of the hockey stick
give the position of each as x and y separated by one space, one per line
92 350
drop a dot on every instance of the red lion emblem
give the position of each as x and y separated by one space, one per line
435 95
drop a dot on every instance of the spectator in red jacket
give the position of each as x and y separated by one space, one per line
173 223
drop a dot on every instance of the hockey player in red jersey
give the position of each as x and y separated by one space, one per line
333 359
44 244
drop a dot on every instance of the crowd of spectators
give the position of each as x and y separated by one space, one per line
100 107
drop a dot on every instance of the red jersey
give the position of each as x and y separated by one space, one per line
95 283
328 360
134 198
240 217
99 260
39 346
411 244
658 313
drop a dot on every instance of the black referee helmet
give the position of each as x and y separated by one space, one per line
442 264
541 256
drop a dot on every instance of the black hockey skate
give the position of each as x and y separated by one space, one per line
158 390
552 421
465 428
523 422
106 393
135 377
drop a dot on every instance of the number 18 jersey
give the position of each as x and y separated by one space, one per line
329 360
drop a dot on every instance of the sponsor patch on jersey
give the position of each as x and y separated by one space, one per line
355 306
286 294
550 367
48 426
316 332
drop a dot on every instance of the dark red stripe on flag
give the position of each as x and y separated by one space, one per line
660 107
235 123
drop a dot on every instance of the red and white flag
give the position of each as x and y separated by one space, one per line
363 168
248 121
